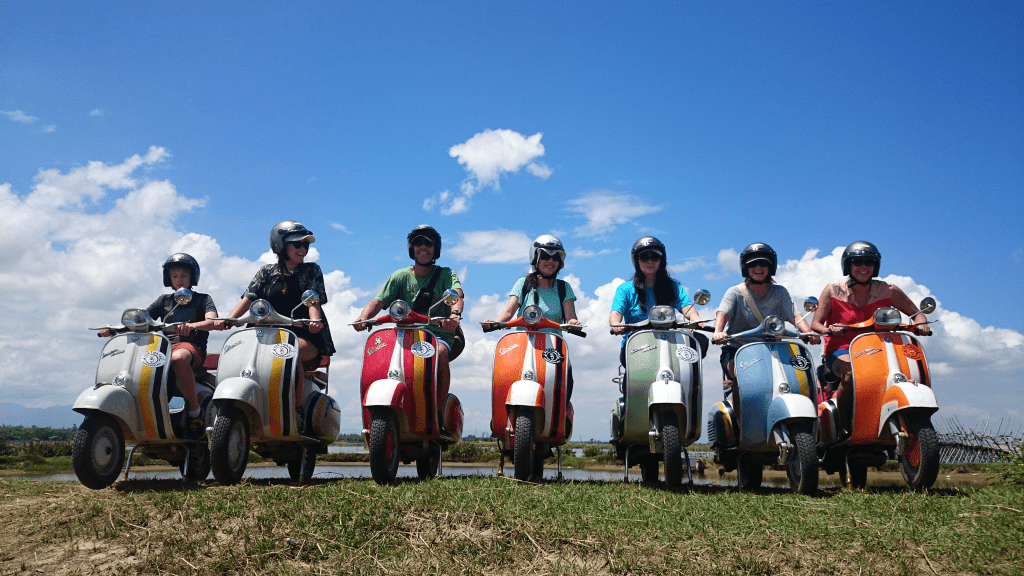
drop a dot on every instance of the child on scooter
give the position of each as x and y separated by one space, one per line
182 271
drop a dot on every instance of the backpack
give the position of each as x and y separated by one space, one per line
560 284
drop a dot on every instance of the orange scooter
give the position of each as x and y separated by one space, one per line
530 414
892 405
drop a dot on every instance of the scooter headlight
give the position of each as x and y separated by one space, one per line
662 315
399 310
774 325
135 319
260 310
887 317
532 314
784 387
666 375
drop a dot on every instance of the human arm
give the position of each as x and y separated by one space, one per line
822 313
372 308
721 318
569 313
507 312
451 323
802 325
904 304
616 318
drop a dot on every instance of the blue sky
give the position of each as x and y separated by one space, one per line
711 126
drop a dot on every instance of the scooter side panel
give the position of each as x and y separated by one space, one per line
869 359
265 355
758 386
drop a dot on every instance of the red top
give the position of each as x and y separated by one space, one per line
839 309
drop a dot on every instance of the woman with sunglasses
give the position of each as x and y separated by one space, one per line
282 285
651 286
855 300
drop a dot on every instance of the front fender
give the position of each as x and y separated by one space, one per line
113 400
791 407
665 392
906 396
525 393
386 392
240 389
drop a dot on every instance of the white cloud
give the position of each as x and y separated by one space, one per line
50 128
18 116
583 253
341 227
492 247
97 113
695 264
486 157
604 210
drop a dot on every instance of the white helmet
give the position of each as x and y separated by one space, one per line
551 246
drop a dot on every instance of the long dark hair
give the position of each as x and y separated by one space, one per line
664 287
532 283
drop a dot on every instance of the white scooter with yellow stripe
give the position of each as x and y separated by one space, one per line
129 403
266 401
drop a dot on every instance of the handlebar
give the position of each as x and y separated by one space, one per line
574 329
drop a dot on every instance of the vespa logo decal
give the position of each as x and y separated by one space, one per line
393 375
422 349
687 354
377 345
869 351
749 363
898 378
644 348
112 353
231 347
154 359
912 352
245 373
504 351
552 356
800 363
283 350
119 380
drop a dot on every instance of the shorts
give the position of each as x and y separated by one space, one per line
198 357
727 356
830 359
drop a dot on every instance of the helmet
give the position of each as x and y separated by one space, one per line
181 260
861 249
427 232
758 251
288 231
551 246
647 243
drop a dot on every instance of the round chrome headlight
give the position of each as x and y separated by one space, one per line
135 319
661 315
774 325
887 317
532 314
260 309
399 310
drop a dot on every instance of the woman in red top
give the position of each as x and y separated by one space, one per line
855 300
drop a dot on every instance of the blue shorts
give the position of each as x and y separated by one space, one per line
830 359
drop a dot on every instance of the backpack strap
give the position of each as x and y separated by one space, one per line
560 284
749 298
421 302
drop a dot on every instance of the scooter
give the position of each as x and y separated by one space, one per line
267 401
129 402
399 395
892 405
530 414
774 421
658 414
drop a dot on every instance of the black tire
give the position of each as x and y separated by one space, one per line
426 467
98 452
199 464
649 469
671 451
539 456
522 452
802 468
383 446
748 474
920 461
229 450
858 475
295 465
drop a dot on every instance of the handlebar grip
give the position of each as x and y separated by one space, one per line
490 326
579 333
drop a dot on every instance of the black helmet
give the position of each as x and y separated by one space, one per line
861 249
288 231
181 260
427 232
645 244
550 245
759 251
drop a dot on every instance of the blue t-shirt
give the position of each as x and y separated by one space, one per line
547 301
626 303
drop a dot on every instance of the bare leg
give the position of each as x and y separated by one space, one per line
181 360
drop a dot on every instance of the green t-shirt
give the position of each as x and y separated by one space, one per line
404 285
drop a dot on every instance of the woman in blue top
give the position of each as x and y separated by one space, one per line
541 287
651 286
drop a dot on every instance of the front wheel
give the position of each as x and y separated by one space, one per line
802 467
98 451
383 446
426 467
670 447
649 469
858 475
229 448
748 474
522 452
306 457
920 460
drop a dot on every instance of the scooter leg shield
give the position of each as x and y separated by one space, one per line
322 417
828 422
453 416
721 431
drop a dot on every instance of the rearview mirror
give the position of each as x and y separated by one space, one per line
702 297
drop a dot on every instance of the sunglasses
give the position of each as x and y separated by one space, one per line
759 264
298 245
421 241
649 257
862 262
545 256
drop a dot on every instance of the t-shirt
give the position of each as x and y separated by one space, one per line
776 302
194 311
286 292
547 300
404 285
625 302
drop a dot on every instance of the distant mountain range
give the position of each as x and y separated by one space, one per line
52 417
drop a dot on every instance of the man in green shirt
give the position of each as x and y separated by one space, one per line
428 282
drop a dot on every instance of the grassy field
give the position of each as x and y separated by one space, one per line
498 525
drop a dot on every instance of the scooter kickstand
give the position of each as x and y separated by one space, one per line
304 470
188 463
501 460
440 461
558 450
128 464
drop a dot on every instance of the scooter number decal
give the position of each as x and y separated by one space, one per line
800 363
422 349
687 354
912 352
154 359
552 356
283 350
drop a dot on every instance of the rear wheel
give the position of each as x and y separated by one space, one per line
920 461
383 446
307 456
426 467
670 447
858 475
229 449
98 452
802 467
198 464
522 452
748 474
